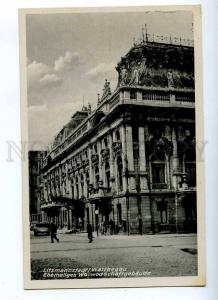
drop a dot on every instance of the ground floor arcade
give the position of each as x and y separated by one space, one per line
155 212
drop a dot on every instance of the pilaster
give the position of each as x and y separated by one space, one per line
175 160
111 160
100 161
142 160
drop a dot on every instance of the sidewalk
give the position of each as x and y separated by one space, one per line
131 236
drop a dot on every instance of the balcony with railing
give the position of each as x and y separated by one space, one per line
101 193
153 96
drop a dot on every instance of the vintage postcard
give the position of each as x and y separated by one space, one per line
113 181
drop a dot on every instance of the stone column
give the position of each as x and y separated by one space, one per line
142 160
115 162
91 179
75 190
124 158
139 96
85 185
127 146
60 179
45 193
175 160
56 180
168 172
68 182
48 185
126 95
111 161
103 172
70 218
100 161
80 188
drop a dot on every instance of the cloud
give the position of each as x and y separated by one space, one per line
40 75
66 62
102 70
36 71
50 80
37 108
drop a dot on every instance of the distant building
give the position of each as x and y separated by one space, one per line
35 184
132 159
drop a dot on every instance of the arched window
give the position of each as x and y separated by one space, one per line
96 177
120 173
77 187
107 174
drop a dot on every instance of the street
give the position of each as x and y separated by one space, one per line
152 255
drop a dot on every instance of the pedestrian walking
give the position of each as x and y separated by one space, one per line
101 227
80 224
111 226
53 232
89 231
105 226
97 229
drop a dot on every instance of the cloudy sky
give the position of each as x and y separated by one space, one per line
70 55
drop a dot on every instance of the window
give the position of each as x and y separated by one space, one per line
87 183
191 173
77 187
82 185
120 173
72 190
118 135
107 174
158 175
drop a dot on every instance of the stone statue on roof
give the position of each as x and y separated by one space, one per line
89 108
106 89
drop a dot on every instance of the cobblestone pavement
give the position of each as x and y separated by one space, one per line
155 255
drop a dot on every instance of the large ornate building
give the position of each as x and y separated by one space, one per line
132 159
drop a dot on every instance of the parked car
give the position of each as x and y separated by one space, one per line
41 228
32 225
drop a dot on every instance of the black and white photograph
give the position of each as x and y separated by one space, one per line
111 112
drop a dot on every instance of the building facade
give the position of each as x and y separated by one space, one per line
132 159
